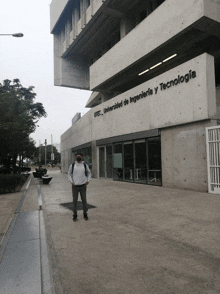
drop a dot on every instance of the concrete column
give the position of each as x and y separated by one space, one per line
184 161
75 19
94 160
126 26
84 6
62 36
70 158
57 54
81 12
68 27
91 4
105 97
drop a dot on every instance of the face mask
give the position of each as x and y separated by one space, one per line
78 159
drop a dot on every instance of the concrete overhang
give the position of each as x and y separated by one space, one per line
187 36
94 100
105 19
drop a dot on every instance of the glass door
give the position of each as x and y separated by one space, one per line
128 161
137 161
117 162
102 162
140 171
109 159
154 162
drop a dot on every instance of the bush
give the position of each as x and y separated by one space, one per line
10 183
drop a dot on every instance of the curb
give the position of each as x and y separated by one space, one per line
46 275
46 283
40 203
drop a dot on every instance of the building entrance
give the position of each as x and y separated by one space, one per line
133 161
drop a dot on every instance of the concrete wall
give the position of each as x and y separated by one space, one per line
167 109
185 102
73 73
218 102
76 117
56 8
152 32
184 160
70 72
182 103
94 160
80 133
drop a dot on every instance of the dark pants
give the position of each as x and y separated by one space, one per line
82 190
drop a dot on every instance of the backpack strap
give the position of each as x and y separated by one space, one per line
85 170
73 167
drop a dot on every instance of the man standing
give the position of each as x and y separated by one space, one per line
79 176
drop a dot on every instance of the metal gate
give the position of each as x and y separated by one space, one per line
213 159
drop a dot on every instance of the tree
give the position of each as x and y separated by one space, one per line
28 150
18 119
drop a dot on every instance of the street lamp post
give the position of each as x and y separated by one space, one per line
18 35
45 153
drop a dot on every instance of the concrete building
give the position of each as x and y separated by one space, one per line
154 69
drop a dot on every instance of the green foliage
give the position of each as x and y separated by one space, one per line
18 119
10 183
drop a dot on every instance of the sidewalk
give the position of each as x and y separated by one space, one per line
138 239
23 253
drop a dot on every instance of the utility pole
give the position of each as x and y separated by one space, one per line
52 155
45 153
39 152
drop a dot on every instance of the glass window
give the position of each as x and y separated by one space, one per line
118 161
102 162
128 155
140 172
109 161
138 161
128 162
140 154
118 148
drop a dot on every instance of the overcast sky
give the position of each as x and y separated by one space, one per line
30 59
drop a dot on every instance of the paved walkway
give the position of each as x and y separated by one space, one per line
24 264
138 238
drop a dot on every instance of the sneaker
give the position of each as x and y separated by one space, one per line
75 218
86 216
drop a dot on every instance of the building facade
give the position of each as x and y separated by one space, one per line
154 71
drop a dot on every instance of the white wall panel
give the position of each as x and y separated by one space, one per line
183 103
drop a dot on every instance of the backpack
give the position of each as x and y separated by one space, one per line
86 173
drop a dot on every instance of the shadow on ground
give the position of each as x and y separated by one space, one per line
69 205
